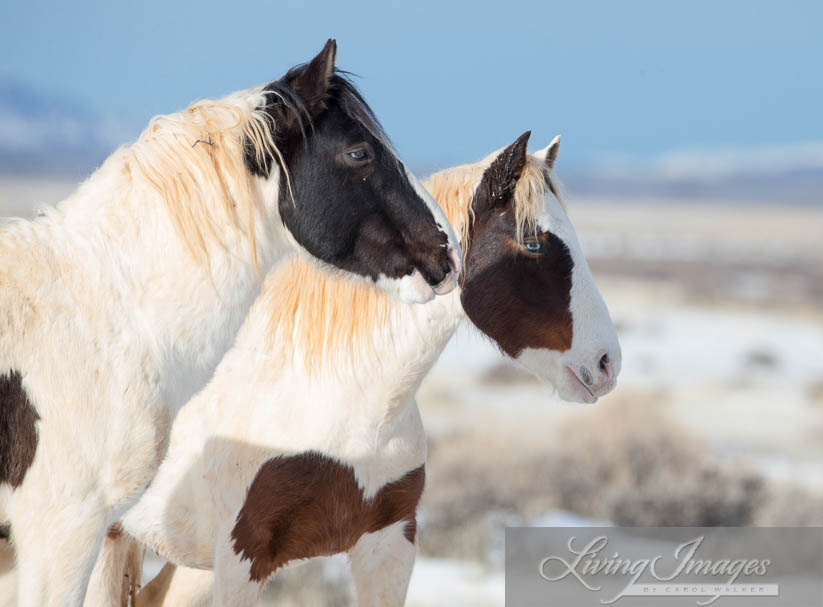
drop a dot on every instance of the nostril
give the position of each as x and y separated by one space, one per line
605 366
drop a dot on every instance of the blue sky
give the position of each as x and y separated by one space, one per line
453 80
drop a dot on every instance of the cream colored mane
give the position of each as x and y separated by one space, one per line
195 161
313 315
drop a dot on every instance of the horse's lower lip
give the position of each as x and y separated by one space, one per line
443 286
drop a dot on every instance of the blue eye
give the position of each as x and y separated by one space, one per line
533 246
359 154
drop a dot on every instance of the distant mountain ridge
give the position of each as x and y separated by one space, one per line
796 186
45 133
783 173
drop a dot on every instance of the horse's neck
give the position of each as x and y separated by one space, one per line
356 405
372 383
184 312
417 336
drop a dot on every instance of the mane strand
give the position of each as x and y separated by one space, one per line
194 161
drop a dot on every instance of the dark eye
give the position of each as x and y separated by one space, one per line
532 245
358 155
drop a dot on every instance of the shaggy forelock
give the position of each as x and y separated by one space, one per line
356 108
454 190
342 89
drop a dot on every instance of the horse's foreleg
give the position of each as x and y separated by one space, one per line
56 545
382 564
233 586
116 575
177 587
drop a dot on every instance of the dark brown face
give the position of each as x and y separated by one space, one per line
519 294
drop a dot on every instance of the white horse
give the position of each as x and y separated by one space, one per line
308 441
116 306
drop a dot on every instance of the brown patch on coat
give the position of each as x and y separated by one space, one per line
18 430
310 505
518 298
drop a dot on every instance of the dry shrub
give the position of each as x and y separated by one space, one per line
469 478
620 463
815 392
761 359
788 506
632 467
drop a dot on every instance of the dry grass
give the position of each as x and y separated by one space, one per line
505 373
635 468
624 464
312 583
758 359
816 392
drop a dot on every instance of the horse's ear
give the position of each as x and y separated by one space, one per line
506 169
312 82
549 153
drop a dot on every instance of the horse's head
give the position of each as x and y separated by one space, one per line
526 283
344 195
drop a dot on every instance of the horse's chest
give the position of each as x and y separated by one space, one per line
188 366
309 505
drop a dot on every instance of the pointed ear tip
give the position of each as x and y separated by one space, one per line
330 49
329 55
523 140
556 140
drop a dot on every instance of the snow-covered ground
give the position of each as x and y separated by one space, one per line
741 369
743 380
736 361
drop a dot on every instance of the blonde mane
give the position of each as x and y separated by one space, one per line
453 190
313 315
195 161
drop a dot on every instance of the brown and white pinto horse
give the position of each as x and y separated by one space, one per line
308 440
116 306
